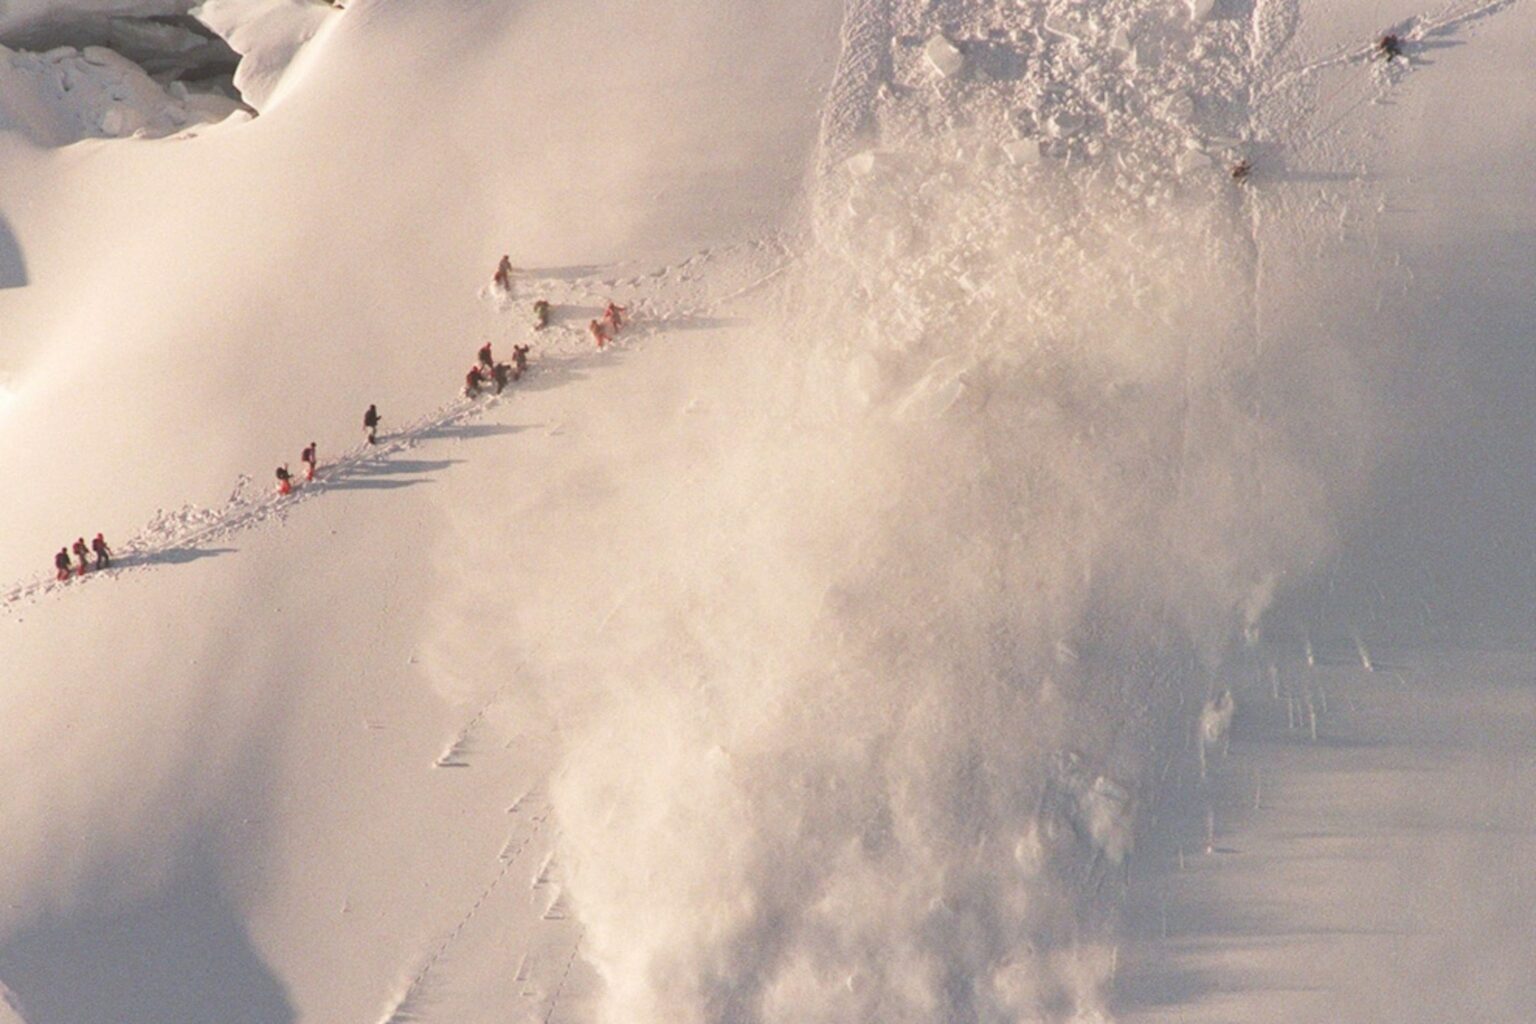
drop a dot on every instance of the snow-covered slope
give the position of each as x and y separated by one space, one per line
259 771
813 653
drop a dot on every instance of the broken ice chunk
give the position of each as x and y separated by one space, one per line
1192 160
1064 26
862 164
946 59
1064 123
1179 106
1022 152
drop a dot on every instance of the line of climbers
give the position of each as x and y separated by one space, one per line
602 330
310 457
485 373
62 563
605 330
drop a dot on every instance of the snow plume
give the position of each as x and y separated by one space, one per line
860 687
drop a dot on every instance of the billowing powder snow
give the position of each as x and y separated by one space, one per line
862 692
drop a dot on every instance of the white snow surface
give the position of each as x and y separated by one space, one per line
833 645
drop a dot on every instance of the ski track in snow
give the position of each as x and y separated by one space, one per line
173 536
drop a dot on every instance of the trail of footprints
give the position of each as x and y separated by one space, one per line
742 268
192 528
530 814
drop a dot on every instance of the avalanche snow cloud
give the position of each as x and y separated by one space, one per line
1003 464
861 695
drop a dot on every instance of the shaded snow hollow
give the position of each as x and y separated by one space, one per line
148 70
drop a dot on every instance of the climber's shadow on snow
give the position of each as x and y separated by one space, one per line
1413 57
1428 44
690 323
471 431
1303 176
1271 164
389 474
183 955
571 272
13 266
570 312
558 374
174 556
653 326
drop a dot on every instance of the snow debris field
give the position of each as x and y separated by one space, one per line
965 510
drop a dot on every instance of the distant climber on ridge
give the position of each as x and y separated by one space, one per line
540 314
1389 47
371 424
485 356
307 456
103 553
613 316
503 276
500 374
599 332
284 480
82 553
519 361
472 381
61 563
